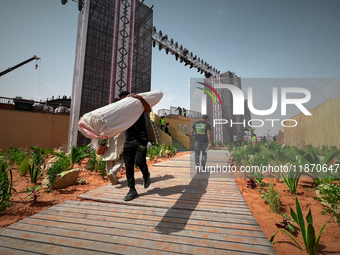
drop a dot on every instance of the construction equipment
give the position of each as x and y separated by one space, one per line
18 65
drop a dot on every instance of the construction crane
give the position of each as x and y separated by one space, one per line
18 65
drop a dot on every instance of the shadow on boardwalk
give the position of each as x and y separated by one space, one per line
168 223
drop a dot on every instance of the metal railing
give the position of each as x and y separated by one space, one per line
174 111
31 105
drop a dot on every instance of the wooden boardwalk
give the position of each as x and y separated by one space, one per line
182 212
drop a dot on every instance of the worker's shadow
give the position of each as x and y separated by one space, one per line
177 217
124 184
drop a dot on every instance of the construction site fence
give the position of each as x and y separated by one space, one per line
320 128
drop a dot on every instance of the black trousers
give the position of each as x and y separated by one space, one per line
135 152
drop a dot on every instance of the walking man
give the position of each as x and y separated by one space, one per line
166 130
135 147
179 109
161 122
202 140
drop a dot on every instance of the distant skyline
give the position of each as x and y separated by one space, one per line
254 38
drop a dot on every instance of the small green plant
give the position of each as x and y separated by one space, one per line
291 179
286 223
59 166
6 186
37 155
103 141
272 198
16 155
24 167
329 196
35 172
81 181
258 178
79 153
308 234
33 193
102 168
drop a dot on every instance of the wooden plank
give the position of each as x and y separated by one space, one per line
126 217
103 226
146 240
110 208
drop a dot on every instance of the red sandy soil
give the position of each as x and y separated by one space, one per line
283 244
329 242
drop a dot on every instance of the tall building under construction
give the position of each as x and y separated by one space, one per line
224 133
113 54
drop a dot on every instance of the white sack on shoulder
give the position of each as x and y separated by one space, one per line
117 117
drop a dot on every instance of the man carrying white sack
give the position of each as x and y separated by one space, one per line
135 148
112 157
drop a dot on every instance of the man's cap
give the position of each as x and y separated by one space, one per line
205 117
124 93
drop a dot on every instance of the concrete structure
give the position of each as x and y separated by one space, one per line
225 135
113 54
23 129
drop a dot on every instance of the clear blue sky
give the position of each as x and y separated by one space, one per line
254 38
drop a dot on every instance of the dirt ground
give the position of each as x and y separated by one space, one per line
330 237
329 242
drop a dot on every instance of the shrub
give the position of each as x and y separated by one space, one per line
24 167
59 166
102 168
78 154
6 186
37 155
272 199
16 155
329 196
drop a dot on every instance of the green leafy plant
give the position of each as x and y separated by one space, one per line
329 196
24 167
286 223
81 181
311 163
258 178
62 164
102 168
79 153
33 193
272 198
291 179
37 155
103 141
35 172
6 186
16 155
308 233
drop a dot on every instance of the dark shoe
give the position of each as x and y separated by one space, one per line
147 182
131 195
